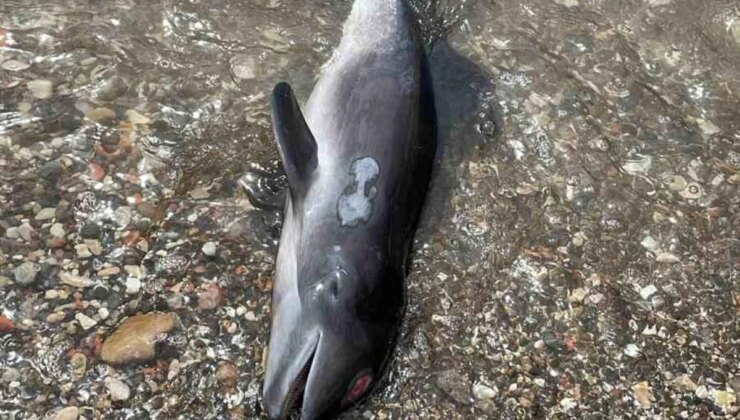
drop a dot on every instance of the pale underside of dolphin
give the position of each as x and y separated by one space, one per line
358 163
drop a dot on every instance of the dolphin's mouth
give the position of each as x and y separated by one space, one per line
294 400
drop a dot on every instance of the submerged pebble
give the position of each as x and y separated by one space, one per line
134 341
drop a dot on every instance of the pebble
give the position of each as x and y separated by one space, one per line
209 249
684 383
133 285
94 246
51 171
104 313
78 361
85 321
101 114
642 394
46 213
483 392
41 88
79 282
26 232
122 216
90 231
454 385
56 317
25 273
134 340
10 375
16 65
67 413
82 251
632 350
667 257
723 398
51 294
227 374
578 295
57 230
118 389
12 233
109 271
211 298
199 193
648 291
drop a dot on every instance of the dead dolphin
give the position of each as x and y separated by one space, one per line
358 164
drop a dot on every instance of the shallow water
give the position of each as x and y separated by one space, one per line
578 255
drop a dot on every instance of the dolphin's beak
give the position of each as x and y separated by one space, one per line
286 379
317 384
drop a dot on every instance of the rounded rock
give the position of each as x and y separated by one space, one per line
118 389
41 88
209 249
135 339
67 413
25 273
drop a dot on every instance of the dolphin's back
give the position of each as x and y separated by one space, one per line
366 106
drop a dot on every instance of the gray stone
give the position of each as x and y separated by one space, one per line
25 273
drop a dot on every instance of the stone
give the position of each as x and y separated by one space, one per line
648 291
209 249
455 386
94 246
90 231
643 394
12 233
46 213
26 232
118 389
82 251
134 339
78 362
667 257
79 282
684 383
103 313
41 88
133 285
199 193
51 171
101 114
723 398
85 321
227 374
57 230
56 317
25 273
483 392
109 271
10 375
67 413
211 298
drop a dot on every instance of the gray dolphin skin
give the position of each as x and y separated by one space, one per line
358 164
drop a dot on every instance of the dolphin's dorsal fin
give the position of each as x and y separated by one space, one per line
296 144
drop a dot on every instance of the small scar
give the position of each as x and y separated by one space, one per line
355 205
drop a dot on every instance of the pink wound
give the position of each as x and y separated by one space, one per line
359 388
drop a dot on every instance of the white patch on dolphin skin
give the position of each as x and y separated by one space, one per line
355 205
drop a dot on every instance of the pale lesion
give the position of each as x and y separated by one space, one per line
355 204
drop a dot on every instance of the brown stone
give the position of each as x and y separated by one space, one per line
227 374
211 298
134 340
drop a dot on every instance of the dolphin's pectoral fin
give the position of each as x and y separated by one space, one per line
296 143
265 186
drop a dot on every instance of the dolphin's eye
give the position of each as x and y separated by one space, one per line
359 387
